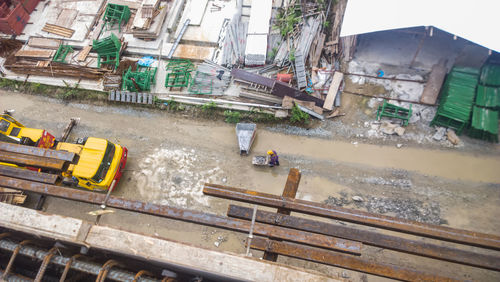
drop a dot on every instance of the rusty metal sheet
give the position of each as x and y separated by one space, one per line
281 89
344 261
33 161
371 238
386 222
27 174
252 77
35 151
184 214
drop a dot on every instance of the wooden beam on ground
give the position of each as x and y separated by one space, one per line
290 191
69 127
27 174
334 89
344 261
371 238
360 217
194 216
32 161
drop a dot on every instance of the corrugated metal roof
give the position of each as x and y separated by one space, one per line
476 21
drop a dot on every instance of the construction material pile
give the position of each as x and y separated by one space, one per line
457 99
149 20
108 50
139 80
116 15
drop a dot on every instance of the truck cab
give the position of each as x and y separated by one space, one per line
13 131
100 164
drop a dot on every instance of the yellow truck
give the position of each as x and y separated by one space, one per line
99 165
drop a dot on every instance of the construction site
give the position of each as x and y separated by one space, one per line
249 140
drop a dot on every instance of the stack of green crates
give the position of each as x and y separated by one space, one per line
484 124
108 50
457 99
143 77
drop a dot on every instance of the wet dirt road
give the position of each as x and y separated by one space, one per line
172 155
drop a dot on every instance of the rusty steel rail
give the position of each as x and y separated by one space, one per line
290 191
29 160
344 261
184 214
39 152
360 217
371 238
27 174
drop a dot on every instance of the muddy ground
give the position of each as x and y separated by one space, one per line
171 155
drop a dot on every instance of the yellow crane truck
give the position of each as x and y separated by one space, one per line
99 165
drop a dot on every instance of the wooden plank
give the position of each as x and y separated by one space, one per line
332 92
82 56
433 85
41 42
319 48
46 54
287 103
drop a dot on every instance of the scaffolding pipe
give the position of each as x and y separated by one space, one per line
83 266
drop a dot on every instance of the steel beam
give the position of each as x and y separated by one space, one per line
290 191
184 214
29 160
386 222
371 238
35 151
27 174
344 261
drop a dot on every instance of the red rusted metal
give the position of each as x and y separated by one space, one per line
67 267
386 222
30 5
371 238
37 151
344 261
13 258
184 214
31 161
101 277
12 21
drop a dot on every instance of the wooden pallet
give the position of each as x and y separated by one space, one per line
58 30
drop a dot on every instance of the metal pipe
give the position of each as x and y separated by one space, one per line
178 39
345 261
360 217
185 215
371 238
82 266
45 264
